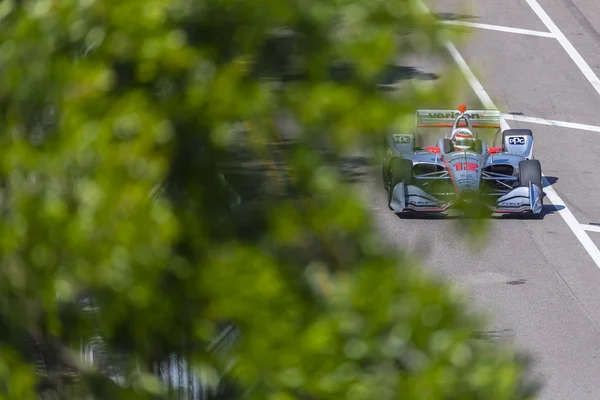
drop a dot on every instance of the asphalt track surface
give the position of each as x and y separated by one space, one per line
535 278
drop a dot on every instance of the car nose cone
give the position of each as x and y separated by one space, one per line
467 195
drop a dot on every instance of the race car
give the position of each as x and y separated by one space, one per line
462 172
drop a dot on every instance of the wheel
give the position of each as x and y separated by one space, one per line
400 171
530 171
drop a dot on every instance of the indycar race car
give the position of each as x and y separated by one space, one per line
462 172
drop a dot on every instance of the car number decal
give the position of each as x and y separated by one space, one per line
468 166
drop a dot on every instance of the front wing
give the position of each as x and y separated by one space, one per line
521 199
409 197
412 198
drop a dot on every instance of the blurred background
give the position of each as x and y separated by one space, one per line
191 193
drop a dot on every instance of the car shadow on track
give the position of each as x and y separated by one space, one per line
454 17
393 74
551 181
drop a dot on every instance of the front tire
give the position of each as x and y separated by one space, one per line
530 171
400 171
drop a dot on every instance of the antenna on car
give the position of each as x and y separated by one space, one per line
462 109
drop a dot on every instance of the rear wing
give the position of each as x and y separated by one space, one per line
446 118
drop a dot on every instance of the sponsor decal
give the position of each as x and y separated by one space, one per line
516 140
510 203
501 160
454 114
401 139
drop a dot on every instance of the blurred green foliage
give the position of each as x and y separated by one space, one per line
142 168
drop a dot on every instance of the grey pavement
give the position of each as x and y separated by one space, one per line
533 278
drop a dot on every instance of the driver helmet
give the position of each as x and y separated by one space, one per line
463 139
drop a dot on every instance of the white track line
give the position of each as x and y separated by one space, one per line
569 48
558 203
591 228
575 226
485 98
499 28
543 121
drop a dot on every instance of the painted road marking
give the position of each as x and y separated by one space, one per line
543 121
486 100
575 226
488 103
591 228
501 28
558 203
569 48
